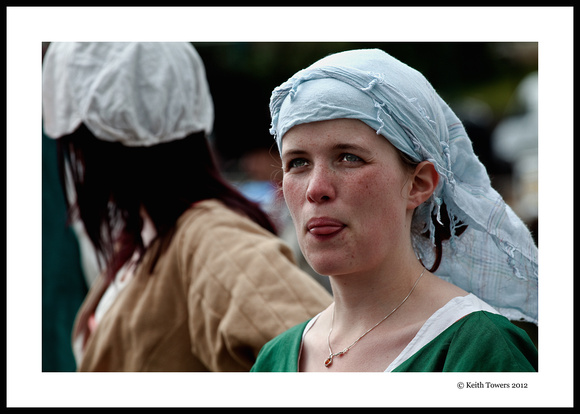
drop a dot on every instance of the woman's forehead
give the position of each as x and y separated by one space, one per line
341 134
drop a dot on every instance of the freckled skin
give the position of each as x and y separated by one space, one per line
343 170
352 200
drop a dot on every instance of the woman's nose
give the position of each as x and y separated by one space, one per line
321 185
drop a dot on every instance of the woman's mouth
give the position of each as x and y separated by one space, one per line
324 227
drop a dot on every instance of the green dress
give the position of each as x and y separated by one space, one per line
480 341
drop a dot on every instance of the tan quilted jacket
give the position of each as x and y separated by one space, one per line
223 289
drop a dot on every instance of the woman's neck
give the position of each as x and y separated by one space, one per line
364 298
148 232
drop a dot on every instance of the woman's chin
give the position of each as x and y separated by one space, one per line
326 267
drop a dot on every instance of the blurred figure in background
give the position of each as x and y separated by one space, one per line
193 277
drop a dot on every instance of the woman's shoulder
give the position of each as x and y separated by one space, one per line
216 232
491 326
463 313
479 341
216 211
290 337
209 209
280 354
214 216
496 337
464 330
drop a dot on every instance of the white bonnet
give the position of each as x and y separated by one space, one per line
138 94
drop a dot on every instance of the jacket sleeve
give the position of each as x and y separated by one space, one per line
242 288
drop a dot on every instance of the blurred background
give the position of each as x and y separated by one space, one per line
492 87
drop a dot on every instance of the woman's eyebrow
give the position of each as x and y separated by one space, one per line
335 147
293 152
349 147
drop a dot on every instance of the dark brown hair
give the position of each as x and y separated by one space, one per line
112 182
442 230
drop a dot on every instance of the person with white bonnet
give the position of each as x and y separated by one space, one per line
428 265
193 276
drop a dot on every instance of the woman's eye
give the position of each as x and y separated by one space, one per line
350 158
296 163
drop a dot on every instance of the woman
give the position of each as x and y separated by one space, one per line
425 260
194 278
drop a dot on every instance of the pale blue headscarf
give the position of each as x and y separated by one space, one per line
496 257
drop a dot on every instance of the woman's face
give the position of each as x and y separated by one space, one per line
345 187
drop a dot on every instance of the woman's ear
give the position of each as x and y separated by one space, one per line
423 182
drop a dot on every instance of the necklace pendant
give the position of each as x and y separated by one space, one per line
328 362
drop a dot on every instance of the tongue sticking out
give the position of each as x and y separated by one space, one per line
324 230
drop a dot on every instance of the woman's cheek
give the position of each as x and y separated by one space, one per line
291 192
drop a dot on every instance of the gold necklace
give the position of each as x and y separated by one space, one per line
331 355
